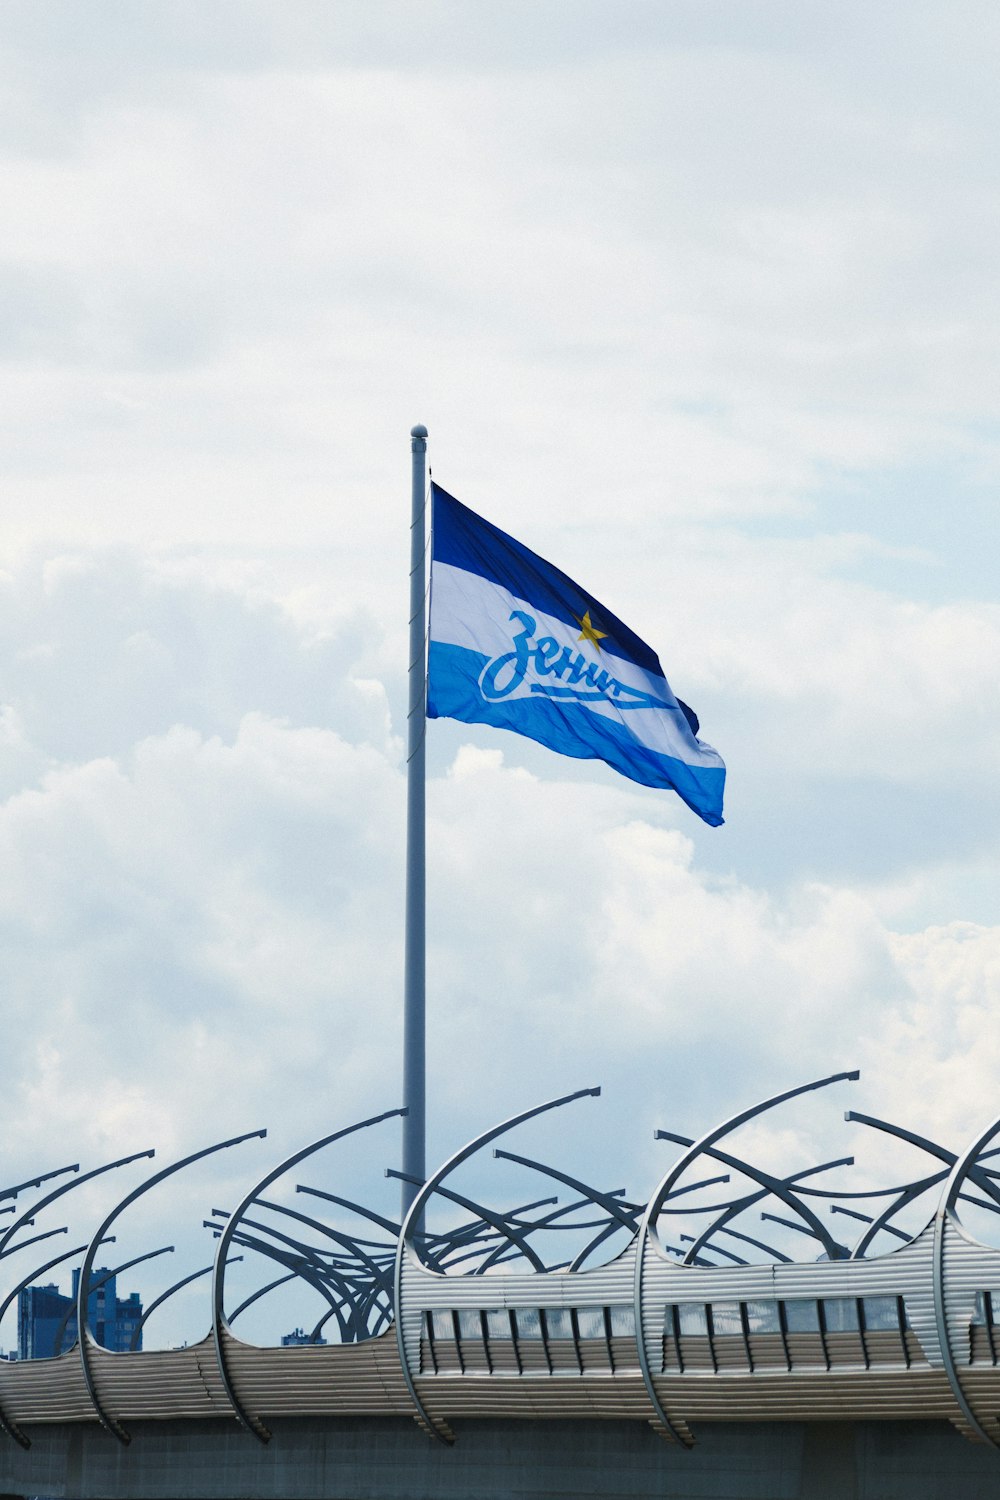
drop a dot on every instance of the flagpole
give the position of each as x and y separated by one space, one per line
414 1026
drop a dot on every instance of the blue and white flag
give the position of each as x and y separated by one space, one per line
515 643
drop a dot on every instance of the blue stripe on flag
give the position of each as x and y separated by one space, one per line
454 692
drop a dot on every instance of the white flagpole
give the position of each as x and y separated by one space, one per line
414 1026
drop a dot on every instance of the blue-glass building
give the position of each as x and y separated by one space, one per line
46 1317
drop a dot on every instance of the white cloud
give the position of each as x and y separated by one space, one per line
251 277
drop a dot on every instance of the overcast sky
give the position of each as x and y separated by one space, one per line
699 300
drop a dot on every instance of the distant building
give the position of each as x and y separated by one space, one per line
298 1337
46 1318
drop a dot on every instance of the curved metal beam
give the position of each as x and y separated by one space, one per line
382 1320
903 1200
773 1187
110 1423
390 1225
339 1238
647 1230
982 1177
374 1277
509 1232
297 1257
906 1197
582 1256
261 1291
497 1221
606 1233
159 1301
624 1213
95 1286
34 1239
414 1215
6 1424
853 1213
489 1244
549 1222
909 1192
219 1324
786 1190
12 1192
308 1254
945 1219
778 1187
922 1142
737 1260
66 1187
748 1239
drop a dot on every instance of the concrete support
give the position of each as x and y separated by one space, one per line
390 1459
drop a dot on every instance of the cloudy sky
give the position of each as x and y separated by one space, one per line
698 298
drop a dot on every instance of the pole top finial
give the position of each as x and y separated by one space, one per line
420 431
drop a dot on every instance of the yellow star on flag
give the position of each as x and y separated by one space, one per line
590 632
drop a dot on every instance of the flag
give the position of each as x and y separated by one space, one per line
515 643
